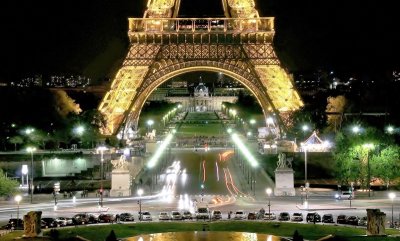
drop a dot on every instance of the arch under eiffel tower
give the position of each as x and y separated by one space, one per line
163 46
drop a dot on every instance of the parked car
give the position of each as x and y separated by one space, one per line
202 213
269 216
363 221
146 216
14 224
49 223
344 195
125 217
311 216
327 218
62 221
216 215
252 216
353 220
297 217
187 215
239 215
80 218
163 216
284 216
176 215
106 218
341 219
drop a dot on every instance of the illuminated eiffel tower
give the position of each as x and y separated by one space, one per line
163 46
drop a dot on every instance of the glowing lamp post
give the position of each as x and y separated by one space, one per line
392 196
269 191
140 193
149 124
18 199
368 147
24 172
101 149
31 186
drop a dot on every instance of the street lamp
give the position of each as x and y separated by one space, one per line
356 129
31 150
390 129
18 199
306 184
149 124
392 196
79 130
368 146
101 149
269 191
140 193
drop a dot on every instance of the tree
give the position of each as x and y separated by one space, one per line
335 109
7 186
352 156
385 165
16 140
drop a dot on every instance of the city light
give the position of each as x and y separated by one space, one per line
356 129
244 150
79 130
153 161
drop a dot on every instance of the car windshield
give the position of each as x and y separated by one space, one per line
217 212
175 213
239 212
202 210
146 213
187 212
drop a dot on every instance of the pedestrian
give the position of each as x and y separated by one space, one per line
117 218
229 215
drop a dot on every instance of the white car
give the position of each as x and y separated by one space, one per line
269 216
187 215
176 215
297 217
216 215
239 215
164 216
344 195
146 216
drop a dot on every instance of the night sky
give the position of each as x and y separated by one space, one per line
89 36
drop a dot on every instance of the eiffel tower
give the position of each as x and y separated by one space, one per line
163 46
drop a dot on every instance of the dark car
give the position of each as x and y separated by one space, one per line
106 218
252 216
327 218
363 221
126 217
49 223
80 218
353 220
284 216
311 216
341 219
14 223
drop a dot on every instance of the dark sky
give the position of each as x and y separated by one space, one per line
70 36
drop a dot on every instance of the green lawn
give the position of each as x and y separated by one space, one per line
309 231
212 129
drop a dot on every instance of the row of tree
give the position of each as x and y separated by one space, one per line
366 156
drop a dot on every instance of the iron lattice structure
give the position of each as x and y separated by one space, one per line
162 46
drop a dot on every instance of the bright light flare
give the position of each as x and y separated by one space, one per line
153 161
244 150
217 169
